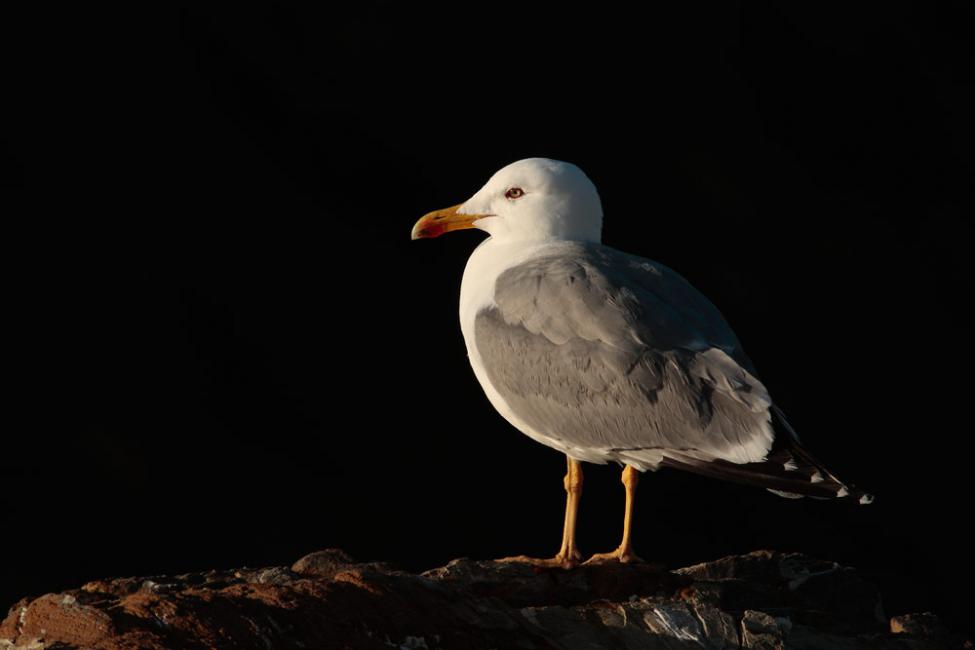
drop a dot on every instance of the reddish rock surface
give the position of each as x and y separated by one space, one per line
327 600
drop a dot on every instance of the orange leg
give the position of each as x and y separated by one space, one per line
568 556
624 553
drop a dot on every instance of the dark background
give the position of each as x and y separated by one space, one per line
235 355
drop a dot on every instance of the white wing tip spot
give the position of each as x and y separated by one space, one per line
842 492
817 477
866 499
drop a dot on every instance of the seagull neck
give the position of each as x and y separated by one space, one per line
510 251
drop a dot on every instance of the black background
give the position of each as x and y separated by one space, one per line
235 355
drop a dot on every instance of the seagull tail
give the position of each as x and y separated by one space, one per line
789 470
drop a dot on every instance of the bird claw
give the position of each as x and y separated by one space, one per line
562 561
568 560
623 556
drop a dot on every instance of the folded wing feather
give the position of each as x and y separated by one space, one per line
607 351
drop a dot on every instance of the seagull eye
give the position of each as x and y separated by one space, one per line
515 193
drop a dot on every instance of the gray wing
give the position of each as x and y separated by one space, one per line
611 353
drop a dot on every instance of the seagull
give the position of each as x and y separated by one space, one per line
610 357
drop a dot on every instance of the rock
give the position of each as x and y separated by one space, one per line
759 600
807 591
323 563
762 632
924 624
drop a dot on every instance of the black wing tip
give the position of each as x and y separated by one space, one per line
795 452
845 493
862 498
787 473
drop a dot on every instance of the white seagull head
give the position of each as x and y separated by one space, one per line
529 200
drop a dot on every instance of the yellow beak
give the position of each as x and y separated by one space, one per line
436 223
